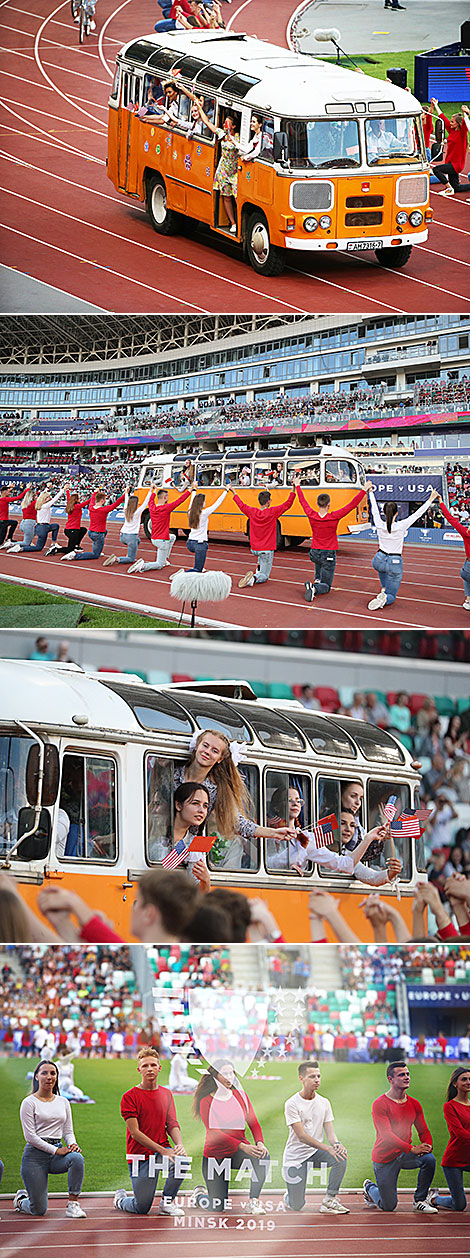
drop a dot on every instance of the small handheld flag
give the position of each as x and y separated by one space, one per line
178 853
322 833
390 809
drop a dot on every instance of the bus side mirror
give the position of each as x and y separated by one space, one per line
50 785
37 846
280 147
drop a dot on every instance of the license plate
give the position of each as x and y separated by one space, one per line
364 244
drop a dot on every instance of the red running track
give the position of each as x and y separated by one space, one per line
64 224
430 597
360 1234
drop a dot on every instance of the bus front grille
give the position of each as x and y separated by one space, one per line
363 203
368 218
312 196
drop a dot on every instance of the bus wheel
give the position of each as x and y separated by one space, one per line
394 258
147 524
264 257
163 220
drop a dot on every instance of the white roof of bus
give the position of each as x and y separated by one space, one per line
325 451
44 694
291 84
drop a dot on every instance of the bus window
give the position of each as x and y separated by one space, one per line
214 714
152 94
159 811
309 476
389 139
267 134
272 728
325 738
322 145
209 475
377 795
153 709
198 127
340 470
238 474
329 792
86 828
288 802
13 759
420 845
239 853
375 743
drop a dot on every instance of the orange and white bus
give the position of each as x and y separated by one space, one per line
342 164
323 469
87 765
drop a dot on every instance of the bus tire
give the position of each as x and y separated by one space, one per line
294 542
265 258
163 220
147 525
394 258
280 539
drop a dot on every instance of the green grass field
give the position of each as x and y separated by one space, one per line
101 1131
24 607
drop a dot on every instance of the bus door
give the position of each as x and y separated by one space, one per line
128 136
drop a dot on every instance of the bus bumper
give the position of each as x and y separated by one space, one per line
354 246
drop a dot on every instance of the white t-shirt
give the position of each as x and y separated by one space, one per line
46 1120
313 1115
199 534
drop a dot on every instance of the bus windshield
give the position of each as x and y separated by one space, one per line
13 759
322 145
390 139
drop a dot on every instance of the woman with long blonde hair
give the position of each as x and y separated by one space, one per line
44 505
198 517
129 535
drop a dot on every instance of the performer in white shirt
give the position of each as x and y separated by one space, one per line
46 1119
391 533
309 1118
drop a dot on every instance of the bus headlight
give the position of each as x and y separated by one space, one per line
402 218
310 224
416 218
325 221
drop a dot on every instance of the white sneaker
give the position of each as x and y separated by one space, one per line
71 555
74 1211
233 229
19 1196
466 604
52 549
118 1197
6 545
92 25
333 1205
170 1208
424 1207
136 567
111 559
13 550
368 1200
379 601
254 1206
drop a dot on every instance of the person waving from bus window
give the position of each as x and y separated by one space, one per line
456 152
198 519
254 147
465 535
8 527
160 511
324 545
129 535
99 510
172 92
391 533
213 760
263 534
225 180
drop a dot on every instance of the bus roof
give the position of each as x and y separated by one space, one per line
264 75
242 456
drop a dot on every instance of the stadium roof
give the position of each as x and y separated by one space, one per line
48 339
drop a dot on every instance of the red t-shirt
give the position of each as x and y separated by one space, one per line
427 128
324 528
5 503
74 517
224 1124
99 515
393 1123
263 522
459 528
456 151
160 515
457 1116
155 1113
30 513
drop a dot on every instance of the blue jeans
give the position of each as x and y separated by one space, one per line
457 1199
325 564
465 574
36 1165
218 1183
42 531
390 570
265 563
296 1191
98 543
29 528
132 541
145 1187
384 1192
164 547
199 550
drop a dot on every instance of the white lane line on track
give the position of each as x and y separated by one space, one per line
53 66
321 280
155 252
459 261
45 88
412 279
81 126
41 66
43 139
236 14
102 35
450 227
98 267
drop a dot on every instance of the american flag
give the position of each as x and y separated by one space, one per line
177 854
409 826
390 809
322 833
421 813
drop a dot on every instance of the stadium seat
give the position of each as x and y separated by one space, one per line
328 697
157 677
181 677
463 705
346 694
391 697
297 691
260 688
136 672
415 703
279 690
444 705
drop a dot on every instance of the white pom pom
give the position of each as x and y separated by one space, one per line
208 587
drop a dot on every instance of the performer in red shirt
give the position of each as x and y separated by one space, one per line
465 535
99 510
223 1106
160 511
150 1116
456 152
456 1157
8 527
324 525
263 533
394 1115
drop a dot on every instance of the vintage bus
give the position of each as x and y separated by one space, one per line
86 785
323 469
342 165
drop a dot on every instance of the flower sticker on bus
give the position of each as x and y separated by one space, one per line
152 131
187 161
199 150
146 146
157 148
168 141
208 171
175 154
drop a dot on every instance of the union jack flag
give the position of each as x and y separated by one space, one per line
322 833
177 854
390 809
